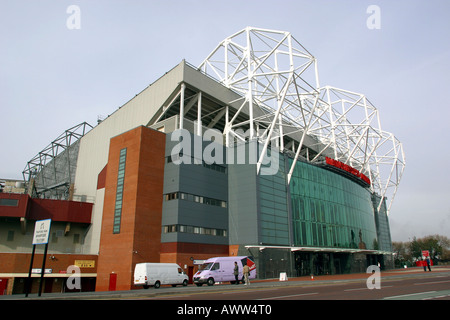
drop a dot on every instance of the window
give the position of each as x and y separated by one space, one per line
9 202
216 167
194 230
171 196
195 198
198 230
216 266
119 191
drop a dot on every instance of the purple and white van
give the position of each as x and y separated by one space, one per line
221 269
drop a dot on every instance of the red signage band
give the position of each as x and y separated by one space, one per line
347 168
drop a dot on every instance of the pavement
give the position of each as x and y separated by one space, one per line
257 283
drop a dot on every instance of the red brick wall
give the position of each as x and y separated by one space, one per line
140 230
183 253
101 179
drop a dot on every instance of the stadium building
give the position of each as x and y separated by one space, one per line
246 154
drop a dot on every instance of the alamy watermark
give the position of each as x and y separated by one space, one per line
73 22
374 281
73 282
374 20
209 149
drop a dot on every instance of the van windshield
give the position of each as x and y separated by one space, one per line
205 266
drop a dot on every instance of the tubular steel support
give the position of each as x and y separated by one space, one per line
279 79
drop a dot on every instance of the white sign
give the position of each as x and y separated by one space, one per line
40 270
283 276
41 231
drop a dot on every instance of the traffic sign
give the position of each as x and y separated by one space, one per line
41 231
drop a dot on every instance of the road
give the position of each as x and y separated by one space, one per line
265 299
419 287
410 284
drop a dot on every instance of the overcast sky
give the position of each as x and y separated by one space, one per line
53 77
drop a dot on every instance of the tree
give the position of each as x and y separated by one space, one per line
437 245
444 242
401 254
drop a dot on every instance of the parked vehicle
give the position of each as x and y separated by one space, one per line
156 274
221 269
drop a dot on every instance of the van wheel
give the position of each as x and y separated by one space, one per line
185 283
157 284
210 282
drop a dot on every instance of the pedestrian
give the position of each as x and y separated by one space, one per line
424 264
246 272
428 263
236 272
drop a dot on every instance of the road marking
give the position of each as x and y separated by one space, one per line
246 290
408 295
434 282
292 295
441 294
357 289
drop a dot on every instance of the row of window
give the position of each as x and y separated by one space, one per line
212 166
119 191
195 198
195 230
76 239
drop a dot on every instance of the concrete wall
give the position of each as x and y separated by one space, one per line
243 207
199 180
12 240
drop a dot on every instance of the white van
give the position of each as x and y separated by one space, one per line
221 269
156 274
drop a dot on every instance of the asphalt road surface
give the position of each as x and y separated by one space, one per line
424 287
408 284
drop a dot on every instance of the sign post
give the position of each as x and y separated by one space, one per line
28 283
40 236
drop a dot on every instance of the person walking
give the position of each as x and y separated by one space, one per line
236 272
246 271
428 263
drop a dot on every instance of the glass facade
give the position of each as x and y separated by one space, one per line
329 210
382 223
331 217
274 220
